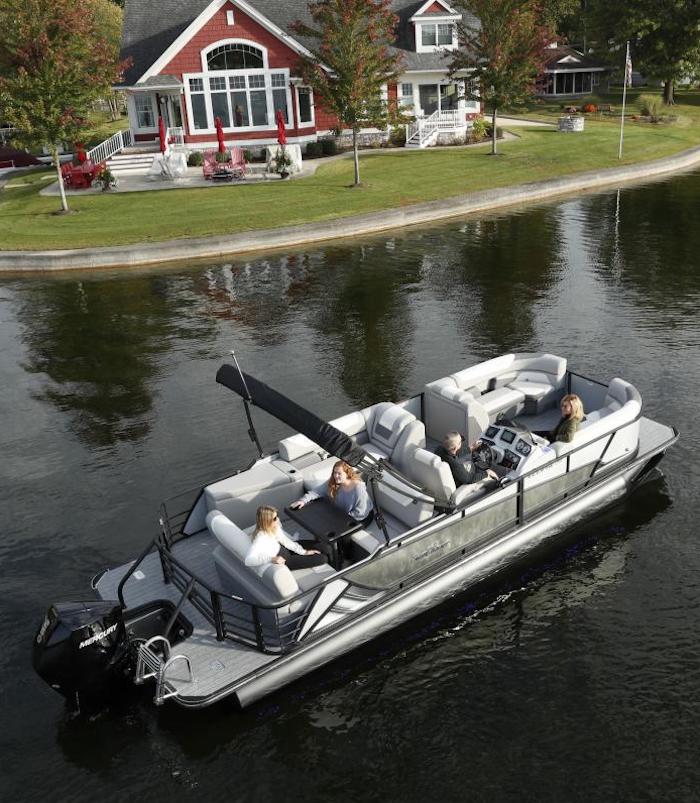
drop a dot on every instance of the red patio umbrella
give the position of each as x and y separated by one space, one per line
161 135
281 131
220 134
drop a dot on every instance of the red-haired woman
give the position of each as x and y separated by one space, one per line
346 490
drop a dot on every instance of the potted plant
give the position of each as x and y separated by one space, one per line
106 179
283 161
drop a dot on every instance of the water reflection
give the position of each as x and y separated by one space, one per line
503 270
97 347
647 240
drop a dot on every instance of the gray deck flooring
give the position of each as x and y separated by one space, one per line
215 664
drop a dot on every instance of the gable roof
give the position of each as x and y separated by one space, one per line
563 57
151 27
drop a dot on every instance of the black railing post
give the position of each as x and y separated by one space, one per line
258 629
218 616
520 502
165 567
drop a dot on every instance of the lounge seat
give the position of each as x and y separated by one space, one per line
267 584
468 401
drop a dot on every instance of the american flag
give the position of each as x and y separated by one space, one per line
628 68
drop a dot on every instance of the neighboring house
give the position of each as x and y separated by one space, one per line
195 60
569 72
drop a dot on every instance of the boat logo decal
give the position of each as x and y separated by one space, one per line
97 637
431 550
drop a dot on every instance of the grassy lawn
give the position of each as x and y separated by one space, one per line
390 179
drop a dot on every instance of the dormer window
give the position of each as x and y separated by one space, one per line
436 34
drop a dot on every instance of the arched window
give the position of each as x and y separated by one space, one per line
235 57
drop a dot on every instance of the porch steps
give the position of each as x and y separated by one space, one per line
129 163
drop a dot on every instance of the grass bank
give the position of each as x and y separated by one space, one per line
390 179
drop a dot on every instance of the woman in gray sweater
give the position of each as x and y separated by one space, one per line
346 490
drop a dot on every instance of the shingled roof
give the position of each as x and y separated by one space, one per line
151 27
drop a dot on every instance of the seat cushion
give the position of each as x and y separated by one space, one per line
501 400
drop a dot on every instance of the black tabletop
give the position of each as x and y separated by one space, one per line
322 518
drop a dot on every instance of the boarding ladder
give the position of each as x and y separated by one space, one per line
150 664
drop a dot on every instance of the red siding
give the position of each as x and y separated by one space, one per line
189 58
436 8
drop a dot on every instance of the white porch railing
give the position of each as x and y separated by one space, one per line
423 131
106 149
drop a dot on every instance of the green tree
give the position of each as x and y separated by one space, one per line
56 59
664 36
503 53
350 61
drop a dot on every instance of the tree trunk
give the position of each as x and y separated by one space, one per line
61 188
493 132
356 156
668 93
113 108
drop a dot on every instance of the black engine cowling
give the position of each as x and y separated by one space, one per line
81 647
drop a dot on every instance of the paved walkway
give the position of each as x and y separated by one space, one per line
219 246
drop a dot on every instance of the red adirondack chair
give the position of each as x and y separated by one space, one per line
238 162
210 165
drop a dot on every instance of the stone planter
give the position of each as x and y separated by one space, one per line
571 123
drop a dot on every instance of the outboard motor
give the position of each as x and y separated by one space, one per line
81 647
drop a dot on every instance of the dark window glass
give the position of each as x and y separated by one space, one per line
199 111
304 106
234 57
279 101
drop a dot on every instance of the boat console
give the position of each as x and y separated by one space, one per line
511 449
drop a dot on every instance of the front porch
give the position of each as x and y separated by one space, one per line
440 128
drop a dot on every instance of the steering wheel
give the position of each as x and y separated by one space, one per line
483 456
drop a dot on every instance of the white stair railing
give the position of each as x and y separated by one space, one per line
107 149
423 130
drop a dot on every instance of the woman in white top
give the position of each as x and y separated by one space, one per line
346 490
272 545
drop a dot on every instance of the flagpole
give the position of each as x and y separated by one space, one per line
624 99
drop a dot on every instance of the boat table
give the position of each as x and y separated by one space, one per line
327 523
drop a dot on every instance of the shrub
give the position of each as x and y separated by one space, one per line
590 108
195 159
223 157
248 155
329 147
649 106
478 129
314 150
397 137
499 131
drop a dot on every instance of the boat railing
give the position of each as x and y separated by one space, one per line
270 628
275 628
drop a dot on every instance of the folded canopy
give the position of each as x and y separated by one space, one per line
284 409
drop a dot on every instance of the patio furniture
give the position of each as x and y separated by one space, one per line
80 176
238 162
210 165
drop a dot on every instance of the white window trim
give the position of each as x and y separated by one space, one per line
205 76
207 50
134 117
312 123
421 48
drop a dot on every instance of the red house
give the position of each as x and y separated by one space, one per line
194 60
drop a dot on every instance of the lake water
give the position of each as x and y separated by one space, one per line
576 681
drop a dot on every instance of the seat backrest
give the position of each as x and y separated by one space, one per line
268 581
237 157
388 429
397 499
431 473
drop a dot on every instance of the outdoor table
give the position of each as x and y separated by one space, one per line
326 522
